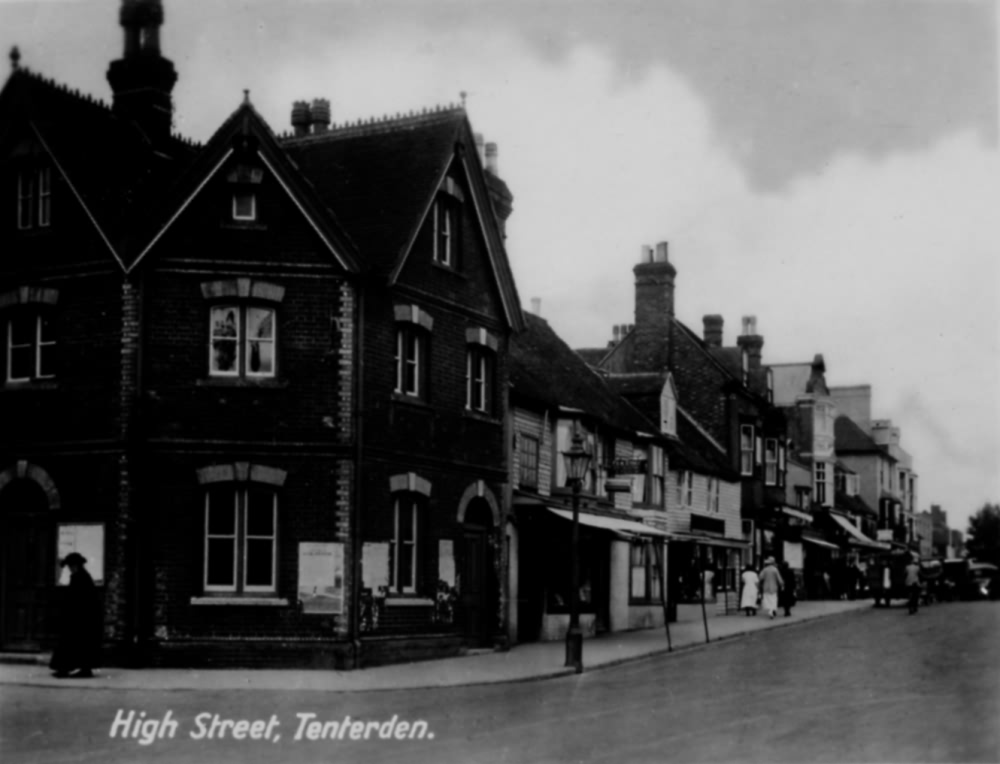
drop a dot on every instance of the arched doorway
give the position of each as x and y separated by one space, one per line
27 564
478 575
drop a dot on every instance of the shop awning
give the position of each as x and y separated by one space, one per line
798 514
819 542
708 540
857 537
613 524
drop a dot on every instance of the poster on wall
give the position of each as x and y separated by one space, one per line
793 555
375 565
321 577
446 561
86 539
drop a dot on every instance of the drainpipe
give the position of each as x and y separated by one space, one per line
355 541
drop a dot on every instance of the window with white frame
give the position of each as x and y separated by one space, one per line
746 449
241 536
404 548
244 181
34 198
656 477
685 488
820 487
480 363
745 366
640 454
242 341
781 464
445 214
30 345
714 495
770 386
770 461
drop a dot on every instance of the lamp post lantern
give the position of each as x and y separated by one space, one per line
577 461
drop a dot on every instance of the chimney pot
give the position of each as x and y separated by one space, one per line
749 325
616 333
491 158
536 306
713 330
320 115
301 117
645 254
661 252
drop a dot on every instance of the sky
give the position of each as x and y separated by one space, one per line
828 166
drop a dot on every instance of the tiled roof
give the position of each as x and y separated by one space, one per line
592 356
109 162
854 504
697 453
544 369
380 176
851 439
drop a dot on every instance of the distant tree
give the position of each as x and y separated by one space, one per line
983 536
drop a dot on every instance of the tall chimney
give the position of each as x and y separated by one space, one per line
713 330
654 309
491 158
320 115
142 80
301 118
751 341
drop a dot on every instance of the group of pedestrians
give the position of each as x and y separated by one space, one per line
772 588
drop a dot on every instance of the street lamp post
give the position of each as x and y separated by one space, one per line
577 462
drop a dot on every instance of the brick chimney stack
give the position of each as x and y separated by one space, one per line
301 118
654 308
713 330
752 342
142 80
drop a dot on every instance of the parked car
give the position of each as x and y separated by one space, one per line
963 579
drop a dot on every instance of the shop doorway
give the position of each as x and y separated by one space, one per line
27 566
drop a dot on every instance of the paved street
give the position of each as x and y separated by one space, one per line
869 685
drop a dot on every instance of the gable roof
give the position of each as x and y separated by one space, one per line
543 369
592 356
246 133
849 438
381 177
108 163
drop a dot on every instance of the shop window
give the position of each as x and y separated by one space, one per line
645 581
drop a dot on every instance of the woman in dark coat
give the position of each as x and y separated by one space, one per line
79 623
786 597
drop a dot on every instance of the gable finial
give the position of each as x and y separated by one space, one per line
15 58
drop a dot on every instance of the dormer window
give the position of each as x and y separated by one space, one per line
244 182
34 198
445 219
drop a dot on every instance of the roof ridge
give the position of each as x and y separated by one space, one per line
375 125
63 88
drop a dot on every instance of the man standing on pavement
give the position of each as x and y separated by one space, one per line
913 584
770 585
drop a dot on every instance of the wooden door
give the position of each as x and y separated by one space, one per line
27 566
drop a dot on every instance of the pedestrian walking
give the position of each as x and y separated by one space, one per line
748 600
79 636
770 586
786 597
913 587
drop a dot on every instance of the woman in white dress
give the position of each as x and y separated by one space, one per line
749 599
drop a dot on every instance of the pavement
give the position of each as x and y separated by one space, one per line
527 662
